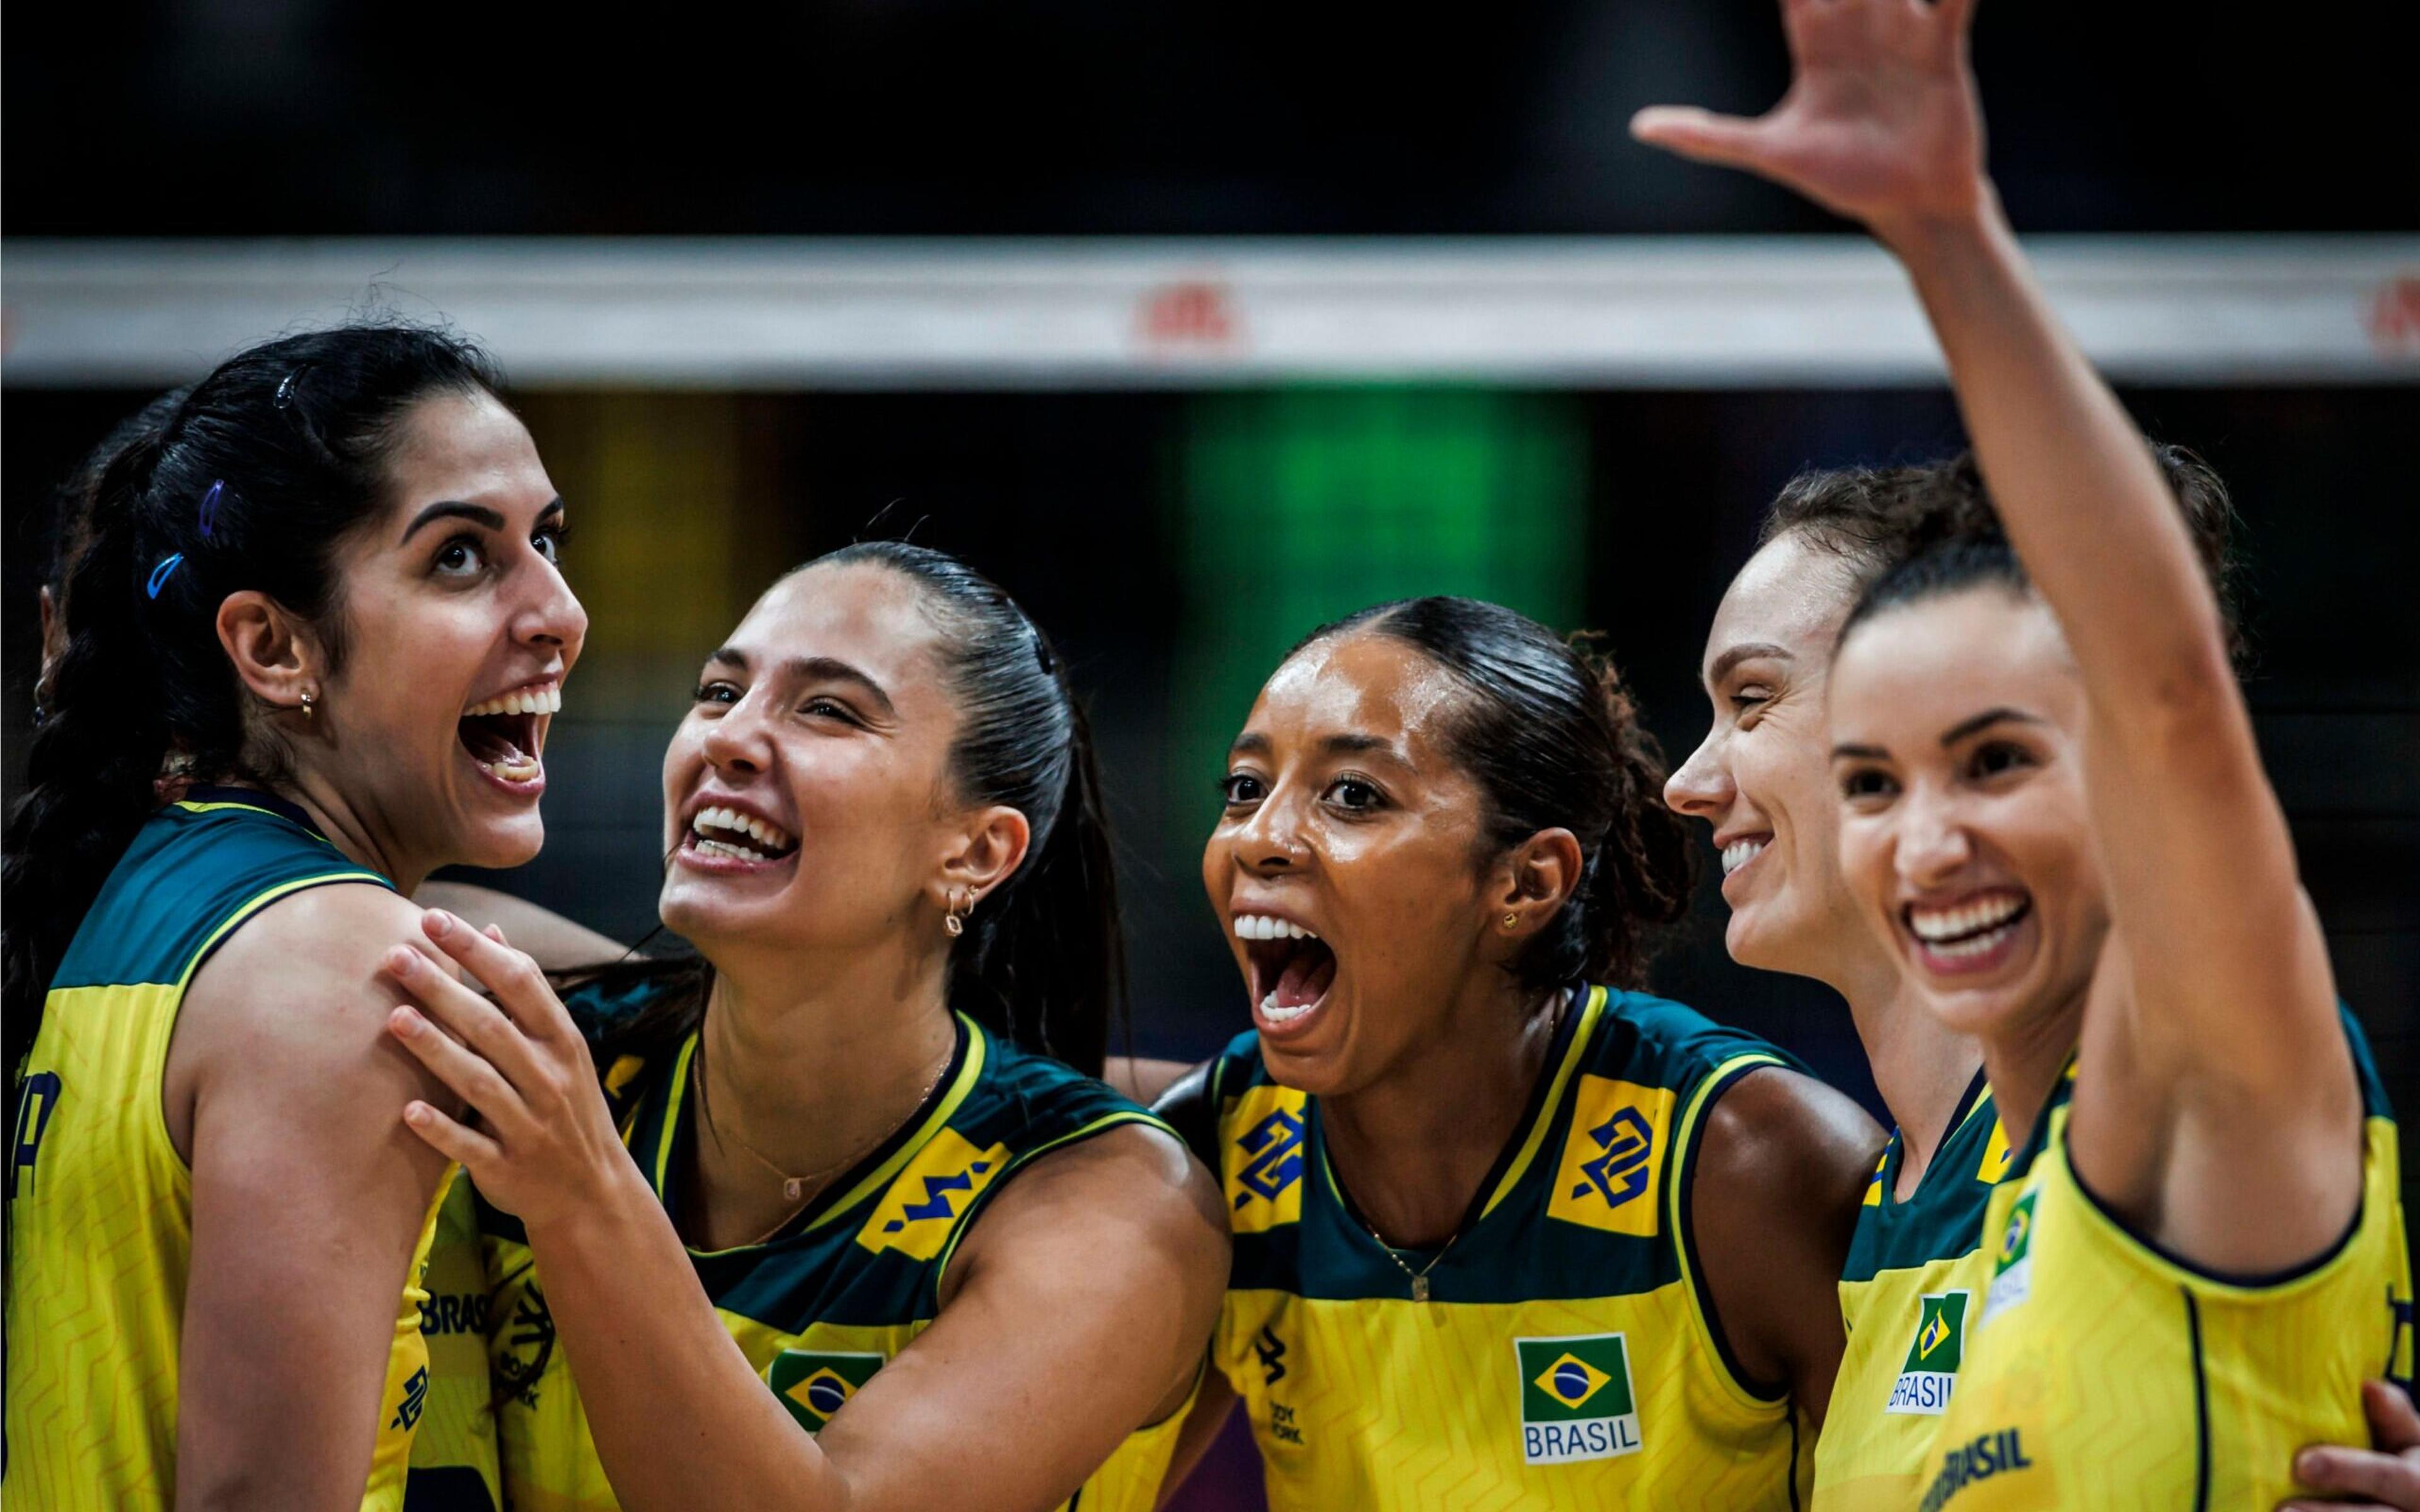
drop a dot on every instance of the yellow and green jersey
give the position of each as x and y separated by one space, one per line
1562 1351
101 1205
817 1308
1906 1302
2102 1372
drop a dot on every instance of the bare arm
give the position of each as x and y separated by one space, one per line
1077 1309
554 942
1142 1078
1202 1423
1779 1175
2218 1108
307 1202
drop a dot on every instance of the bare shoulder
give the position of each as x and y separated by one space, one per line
1138 1168
1781 1134
293 1007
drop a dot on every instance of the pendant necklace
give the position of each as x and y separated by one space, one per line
803 1187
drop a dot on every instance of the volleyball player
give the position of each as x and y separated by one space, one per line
2053 814
302 584
838 1231
1506 1230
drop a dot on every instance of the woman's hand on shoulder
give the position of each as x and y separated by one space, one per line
1781 1169
541 1142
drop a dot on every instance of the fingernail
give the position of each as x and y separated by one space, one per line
404 1021
402 960
440 921
416 1113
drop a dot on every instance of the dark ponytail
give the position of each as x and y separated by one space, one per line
251 479
1043 959
1553 738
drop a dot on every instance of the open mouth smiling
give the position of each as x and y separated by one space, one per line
1290 968
502 734
1970 934
721 836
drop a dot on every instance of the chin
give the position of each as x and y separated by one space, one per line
514 842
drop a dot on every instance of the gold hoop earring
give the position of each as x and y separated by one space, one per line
954 923
1511 920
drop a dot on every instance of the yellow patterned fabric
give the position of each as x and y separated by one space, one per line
1561 1353
101 1204
2102 1374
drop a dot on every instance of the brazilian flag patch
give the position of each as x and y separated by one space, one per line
1931 1369
1576 1398
814 1384
2012 1263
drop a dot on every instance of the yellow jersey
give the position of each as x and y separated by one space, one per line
1559 1352
2102 1373
817 1308
1906 1302
99 1202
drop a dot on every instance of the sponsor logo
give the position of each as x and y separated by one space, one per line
38 1097
1272 1351
1996 1153
415 1397
1576 1398
921 1207
1263 1162
1612 1157
455 1313
529 1348
1978 1459
815 1385
2012 1263
1931 1369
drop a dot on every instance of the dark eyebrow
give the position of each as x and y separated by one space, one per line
1250 743
1736 654
817 670
1357 745
1863 753
1984 722
455 509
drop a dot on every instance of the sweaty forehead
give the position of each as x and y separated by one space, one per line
1361 684
868 616
466 446
1932 663
1791 593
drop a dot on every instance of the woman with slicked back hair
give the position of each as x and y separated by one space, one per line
1508 1230
298 592
845 1189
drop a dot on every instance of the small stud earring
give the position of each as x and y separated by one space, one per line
1511 920
310 704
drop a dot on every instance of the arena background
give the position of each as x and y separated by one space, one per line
1196 325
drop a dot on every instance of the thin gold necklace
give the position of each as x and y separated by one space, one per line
803 1188
1419 1278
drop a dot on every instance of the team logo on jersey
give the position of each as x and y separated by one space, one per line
1272 1353
1576 1398
1995 1164
2012 1262
1931 1369
529 1347
921 1210
1612 1157
1263 1159
415 1399
815 1385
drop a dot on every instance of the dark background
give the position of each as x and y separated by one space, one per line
1116 516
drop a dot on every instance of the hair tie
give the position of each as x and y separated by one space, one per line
210 510
160 574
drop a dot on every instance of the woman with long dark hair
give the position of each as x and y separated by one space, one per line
838 1230
315 596
1506 1230
2054 818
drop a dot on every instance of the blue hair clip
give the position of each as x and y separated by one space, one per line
210 510
160 574
285 386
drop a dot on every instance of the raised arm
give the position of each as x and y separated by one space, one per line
1082 1350
307 1204
2220 1088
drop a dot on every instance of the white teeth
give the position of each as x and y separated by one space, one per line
1739 853
1262 927
734 822
1940 924
514 771
1270 1010
525 700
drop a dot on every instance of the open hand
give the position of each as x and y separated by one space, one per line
545 1146
1880 124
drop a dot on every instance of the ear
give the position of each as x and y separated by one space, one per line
983 854
275 653
1531 885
